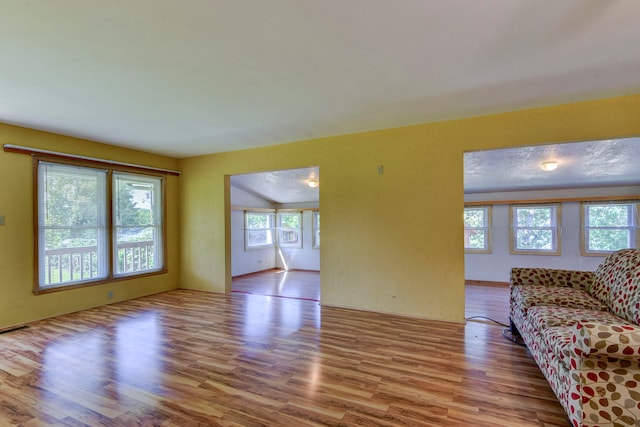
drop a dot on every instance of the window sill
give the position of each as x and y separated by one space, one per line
58 288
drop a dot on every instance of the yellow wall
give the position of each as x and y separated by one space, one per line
390 243
17 302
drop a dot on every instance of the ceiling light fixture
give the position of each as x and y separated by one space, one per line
313 183
549 166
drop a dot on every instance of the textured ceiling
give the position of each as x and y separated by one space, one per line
591 164
585 164
190 77
286 186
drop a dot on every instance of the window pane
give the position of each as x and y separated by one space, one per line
289 237
609 227
289 229
316 229
608 240
290 221
71 224
534 229
534 239
259 230
260 237
477 239
534 217
609 216
137 223
474 218
257 221
70 195
476 228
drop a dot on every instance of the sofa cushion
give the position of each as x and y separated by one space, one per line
555 326
603 280
535 295
552 277
545 317
615 283
625 297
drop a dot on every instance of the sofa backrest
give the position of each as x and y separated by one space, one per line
617 284
551 277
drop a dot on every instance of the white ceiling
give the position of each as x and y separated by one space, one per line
190 77
285 186
590 164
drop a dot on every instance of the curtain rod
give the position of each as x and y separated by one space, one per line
28 150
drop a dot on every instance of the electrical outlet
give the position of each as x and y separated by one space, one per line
1 219
110 294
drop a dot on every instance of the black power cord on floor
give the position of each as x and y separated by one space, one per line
505 333
487 318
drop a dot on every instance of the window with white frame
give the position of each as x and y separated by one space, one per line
137 223
535 229
290 229
74 223
477 229
608 227
258 229
316 229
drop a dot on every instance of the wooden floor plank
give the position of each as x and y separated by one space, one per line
246 359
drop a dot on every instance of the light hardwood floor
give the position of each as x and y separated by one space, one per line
186 358
291 284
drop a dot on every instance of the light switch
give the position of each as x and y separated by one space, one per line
1 219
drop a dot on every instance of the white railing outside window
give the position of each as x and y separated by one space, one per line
74 222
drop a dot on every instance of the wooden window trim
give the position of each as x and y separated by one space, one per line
489 228
279 228
583 225
557 233
273 228
36 159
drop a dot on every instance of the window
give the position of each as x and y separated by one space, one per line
138 223
608 227
74 224
258 229
477 229
316 229
534 229
289 229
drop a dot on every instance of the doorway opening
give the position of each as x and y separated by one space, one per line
501 184
275 233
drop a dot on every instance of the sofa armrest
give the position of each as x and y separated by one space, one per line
604 372
551 277
620 341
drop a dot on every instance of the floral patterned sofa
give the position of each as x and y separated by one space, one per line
582 330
